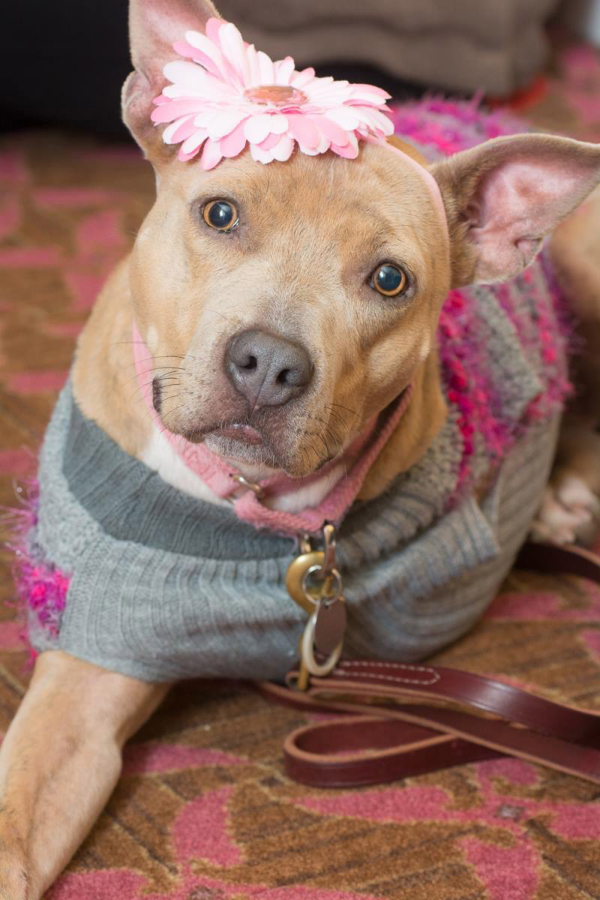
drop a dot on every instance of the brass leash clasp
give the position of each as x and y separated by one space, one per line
315 583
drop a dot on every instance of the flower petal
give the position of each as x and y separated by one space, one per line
279 123
211 155
323 144
349 152
345 117
213 27
353 140
375 120
185 157
184 49
263 156
200 58
187 75
269 142
166 112
284 69
215 91
204 118
284 148
258 127
232 45
266 68
368 93
385 123
301 79
204 43
179 130
305 131
206 51
331 130
234 143
321 147
194 141
253 66
223 123
335 94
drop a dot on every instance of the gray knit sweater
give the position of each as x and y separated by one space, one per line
164 586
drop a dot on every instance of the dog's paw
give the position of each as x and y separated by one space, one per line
569 512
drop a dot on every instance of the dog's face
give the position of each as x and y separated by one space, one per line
292 302
289 303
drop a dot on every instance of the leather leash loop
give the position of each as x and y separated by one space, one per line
395 720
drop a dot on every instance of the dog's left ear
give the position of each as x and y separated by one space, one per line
504 196
154 26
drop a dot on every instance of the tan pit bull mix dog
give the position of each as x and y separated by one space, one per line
297 269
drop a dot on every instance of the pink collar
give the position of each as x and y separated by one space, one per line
219 476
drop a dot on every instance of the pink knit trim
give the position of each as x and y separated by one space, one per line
337 502
218 475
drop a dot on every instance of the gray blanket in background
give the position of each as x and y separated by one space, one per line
465 45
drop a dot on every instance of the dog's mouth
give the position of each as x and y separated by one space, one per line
241 432
242 442
234 439
262 442
237 441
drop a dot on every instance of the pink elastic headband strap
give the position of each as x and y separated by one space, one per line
432 186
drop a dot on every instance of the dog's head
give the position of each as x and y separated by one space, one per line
292 302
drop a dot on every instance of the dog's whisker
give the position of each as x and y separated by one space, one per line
126 383
154 369
346 408
155 365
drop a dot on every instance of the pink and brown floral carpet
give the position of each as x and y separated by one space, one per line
203 810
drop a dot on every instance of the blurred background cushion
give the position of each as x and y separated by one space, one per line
465 45
64 63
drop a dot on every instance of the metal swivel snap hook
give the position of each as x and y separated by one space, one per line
314 582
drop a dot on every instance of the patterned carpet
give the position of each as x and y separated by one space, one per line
203 811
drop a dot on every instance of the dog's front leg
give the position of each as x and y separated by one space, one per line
59 763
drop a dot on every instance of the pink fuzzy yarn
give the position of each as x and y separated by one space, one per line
41 587
445 127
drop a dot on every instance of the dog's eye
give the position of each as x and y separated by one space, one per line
389 280
221 214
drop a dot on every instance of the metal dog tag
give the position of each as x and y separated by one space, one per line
330 626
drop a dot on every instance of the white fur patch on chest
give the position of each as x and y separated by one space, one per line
160 456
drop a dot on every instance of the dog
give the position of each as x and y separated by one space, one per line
298 301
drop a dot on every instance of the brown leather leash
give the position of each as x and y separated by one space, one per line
399 720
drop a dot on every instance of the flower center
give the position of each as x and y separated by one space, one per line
275 95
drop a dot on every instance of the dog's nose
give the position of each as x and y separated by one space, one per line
266 369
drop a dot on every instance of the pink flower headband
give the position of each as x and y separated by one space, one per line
230 95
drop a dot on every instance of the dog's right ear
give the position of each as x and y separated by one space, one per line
505 195
154 25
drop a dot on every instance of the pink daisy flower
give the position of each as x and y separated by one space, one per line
225 94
